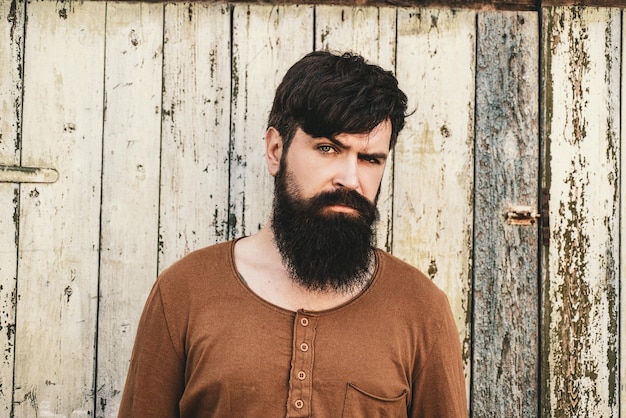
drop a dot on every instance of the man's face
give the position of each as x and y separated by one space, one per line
324 207
348 161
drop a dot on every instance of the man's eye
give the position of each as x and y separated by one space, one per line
325 149
373 160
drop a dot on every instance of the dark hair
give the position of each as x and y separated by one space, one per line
326 94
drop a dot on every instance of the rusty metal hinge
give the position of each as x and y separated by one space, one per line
19 174
527 215
522 215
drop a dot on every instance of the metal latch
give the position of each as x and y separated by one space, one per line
527 215
19 174
522 215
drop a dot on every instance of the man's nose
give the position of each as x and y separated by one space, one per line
347 174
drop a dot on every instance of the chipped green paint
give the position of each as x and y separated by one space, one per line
611 279
581 148
235 74
581 155
16 215
573 327
467 301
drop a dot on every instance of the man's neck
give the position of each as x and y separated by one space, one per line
260 265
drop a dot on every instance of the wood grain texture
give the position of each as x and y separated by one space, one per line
480 5
520 5
581 155
195 137
584 3
130 188
339 29
622 261
59 222
11 90
152 103
267 41
433 171
506 288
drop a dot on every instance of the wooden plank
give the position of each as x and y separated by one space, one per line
267 41
622 261
505 368
11 90
59 222
584 3
195 139
130 188
581 154
433 172
481 5
341 29
519 5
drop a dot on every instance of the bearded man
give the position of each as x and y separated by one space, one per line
305 318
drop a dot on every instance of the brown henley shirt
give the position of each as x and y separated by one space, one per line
207 346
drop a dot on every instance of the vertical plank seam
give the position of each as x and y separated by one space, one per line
540 197
17 208
470 395
159 243
622 312
314 34
102 174
231 140
392 169
546 179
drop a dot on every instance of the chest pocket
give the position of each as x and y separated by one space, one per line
360 404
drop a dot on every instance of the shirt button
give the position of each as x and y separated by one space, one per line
299 403
304 322
304 347
301 375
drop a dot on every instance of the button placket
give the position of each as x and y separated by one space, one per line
300 379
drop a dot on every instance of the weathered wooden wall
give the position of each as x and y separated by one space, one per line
582 76
153 114
506 298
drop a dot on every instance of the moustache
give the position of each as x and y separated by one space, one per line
350 198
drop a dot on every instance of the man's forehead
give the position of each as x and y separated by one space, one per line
380 136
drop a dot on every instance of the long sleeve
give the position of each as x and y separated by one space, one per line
155 380
439 389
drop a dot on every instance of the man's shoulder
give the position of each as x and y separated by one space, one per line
393 265
198 263
408 279
206 255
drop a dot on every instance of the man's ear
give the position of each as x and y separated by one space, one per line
273 150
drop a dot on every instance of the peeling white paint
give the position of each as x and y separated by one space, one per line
582 132
193 135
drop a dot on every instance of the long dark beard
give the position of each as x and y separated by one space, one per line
323 251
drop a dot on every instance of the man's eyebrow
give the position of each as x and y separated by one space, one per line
336 142
374 155
377 155
331 139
